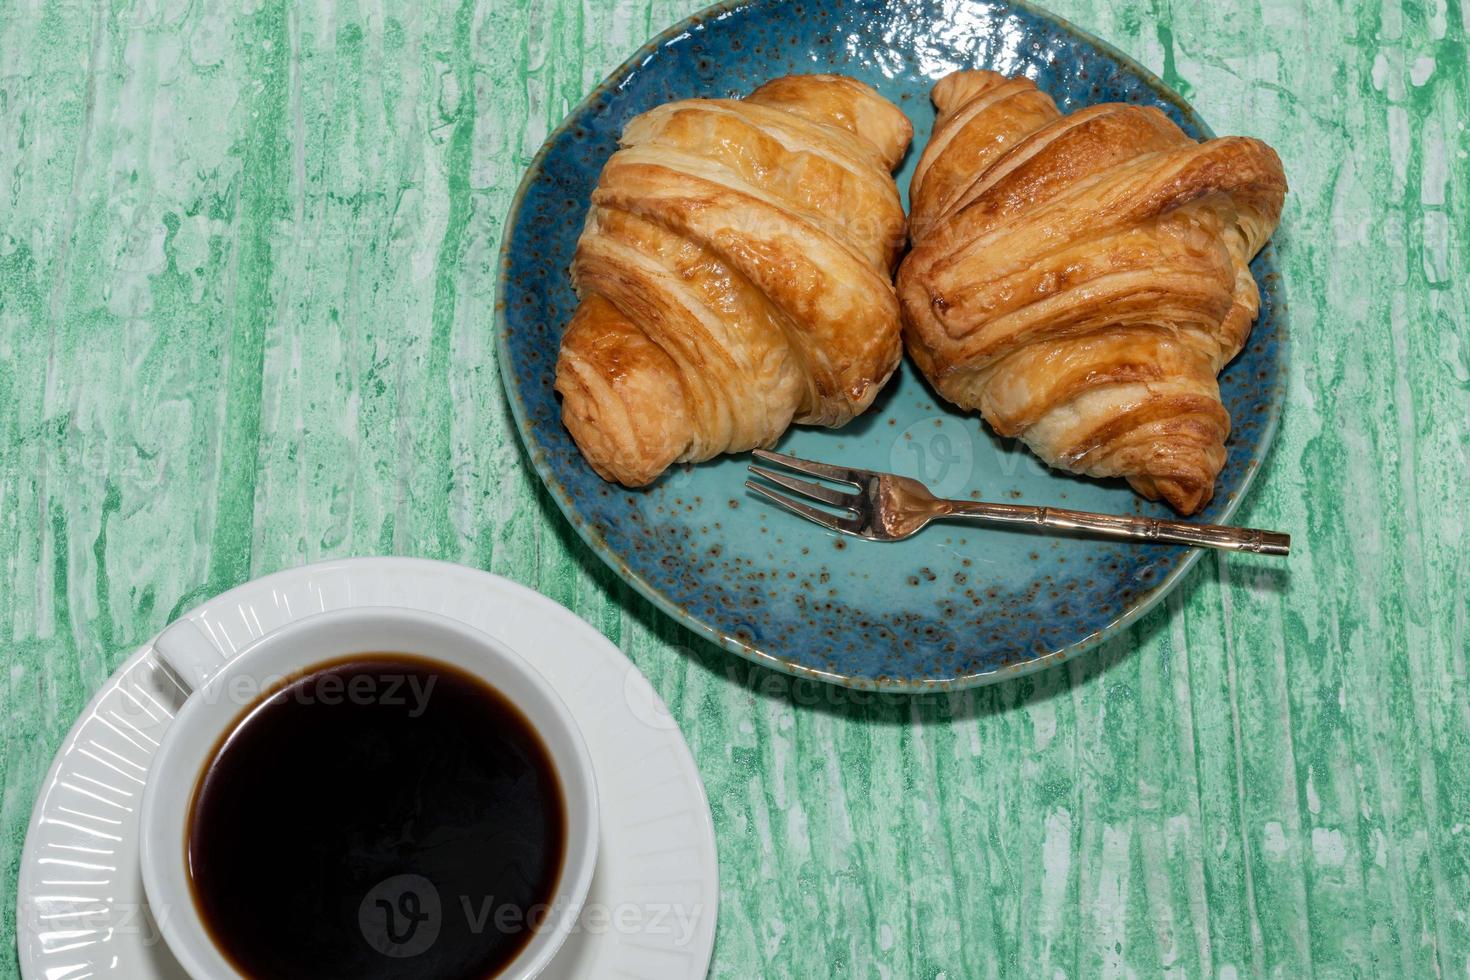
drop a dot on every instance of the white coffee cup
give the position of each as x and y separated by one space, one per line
223 690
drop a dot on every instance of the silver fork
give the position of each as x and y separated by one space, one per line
886 507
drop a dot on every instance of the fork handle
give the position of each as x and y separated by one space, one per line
1126 528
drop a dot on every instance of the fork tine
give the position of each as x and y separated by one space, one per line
814 490
829 521
812 468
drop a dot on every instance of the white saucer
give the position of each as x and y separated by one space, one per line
652 908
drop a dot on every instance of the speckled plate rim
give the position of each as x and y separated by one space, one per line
599 545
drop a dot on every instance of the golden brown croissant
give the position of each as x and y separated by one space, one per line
1082 279
735 275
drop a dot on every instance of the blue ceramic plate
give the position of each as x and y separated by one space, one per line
958 605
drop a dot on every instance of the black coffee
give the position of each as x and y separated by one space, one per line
383 816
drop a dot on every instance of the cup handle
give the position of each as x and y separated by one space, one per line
188 654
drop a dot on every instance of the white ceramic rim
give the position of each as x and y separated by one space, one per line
301 645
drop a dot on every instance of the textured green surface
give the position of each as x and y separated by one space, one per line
245 293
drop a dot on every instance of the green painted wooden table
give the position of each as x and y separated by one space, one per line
245 300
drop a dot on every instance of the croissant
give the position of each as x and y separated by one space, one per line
735 276
1082 279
